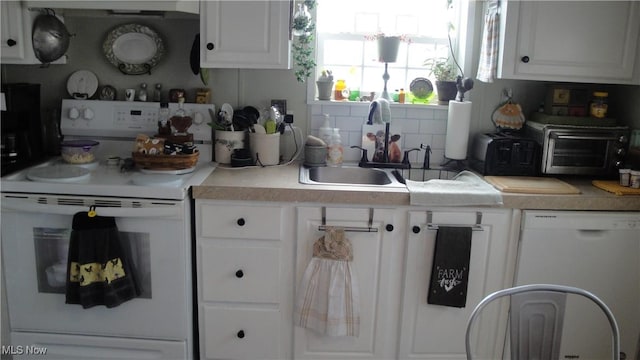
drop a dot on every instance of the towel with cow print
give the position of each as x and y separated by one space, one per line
374 137
99 270
450 269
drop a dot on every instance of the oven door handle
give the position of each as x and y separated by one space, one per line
582 137
154 212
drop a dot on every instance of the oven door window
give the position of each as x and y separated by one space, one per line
51 246
580 153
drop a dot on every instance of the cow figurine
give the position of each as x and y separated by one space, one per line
395 155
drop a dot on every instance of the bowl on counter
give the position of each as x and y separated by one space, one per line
78 151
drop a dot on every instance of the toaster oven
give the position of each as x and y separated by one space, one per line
580 150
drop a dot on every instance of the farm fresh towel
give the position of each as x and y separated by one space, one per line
99 271
327 300
464 189
450 269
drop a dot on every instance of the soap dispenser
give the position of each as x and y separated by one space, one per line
326 132
336 151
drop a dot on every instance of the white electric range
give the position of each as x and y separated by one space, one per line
115 125
152 211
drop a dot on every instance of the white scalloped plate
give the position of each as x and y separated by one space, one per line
133 48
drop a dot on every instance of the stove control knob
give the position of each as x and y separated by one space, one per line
74 113
87 114
198 118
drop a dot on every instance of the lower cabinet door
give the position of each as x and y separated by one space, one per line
26 345
241 333
435 331
376 266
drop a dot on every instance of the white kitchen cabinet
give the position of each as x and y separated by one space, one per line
589 41
434 331
244 257
16 30
377 264
13 36
245 34
186 6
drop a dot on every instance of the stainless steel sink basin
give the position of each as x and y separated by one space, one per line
348 176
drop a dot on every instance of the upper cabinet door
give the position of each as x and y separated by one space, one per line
245 34
587 41
12 36
185 6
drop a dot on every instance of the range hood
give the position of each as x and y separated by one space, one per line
124 7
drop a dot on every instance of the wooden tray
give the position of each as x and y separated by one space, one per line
531 185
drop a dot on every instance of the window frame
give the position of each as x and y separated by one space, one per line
466 15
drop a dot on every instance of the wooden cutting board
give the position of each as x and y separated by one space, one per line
531 185
614 187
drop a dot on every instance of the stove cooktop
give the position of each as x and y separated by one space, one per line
106 180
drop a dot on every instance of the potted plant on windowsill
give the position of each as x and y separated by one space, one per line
446 75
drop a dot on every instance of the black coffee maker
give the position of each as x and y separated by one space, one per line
22 140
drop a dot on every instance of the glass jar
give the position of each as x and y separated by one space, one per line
599 104
338 94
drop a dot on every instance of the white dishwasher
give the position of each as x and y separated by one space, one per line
596 251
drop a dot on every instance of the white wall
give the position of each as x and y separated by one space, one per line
257 87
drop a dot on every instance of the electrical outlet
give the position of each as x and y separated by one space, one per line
281 105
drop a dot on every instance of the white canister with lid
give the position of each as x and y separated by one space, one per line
625 177
635 179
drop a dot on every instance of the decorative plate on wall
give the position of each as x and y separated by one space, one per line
134 49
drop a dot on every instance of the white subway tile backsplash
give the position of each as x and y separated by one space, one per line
337 109
316 109
409 125
349 123
418 113
440 114
360 110
433 127
419 125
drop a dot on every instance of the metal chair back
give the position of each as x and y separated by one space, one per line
536 320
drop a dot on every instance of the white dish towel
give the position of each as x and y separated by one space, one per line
465 189
328 301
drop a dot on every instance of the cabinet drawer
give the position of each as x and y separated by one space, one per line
241 333
231 221
240 274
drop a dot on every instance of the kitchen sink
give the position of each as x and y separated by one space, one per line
349 176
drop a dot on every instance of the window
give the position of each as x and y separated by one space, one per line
342 46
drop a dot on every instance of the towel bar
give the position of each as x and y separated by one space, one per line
369 228
476 227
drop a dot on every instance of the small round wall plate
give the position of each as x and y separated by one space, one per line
82 84
108 92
